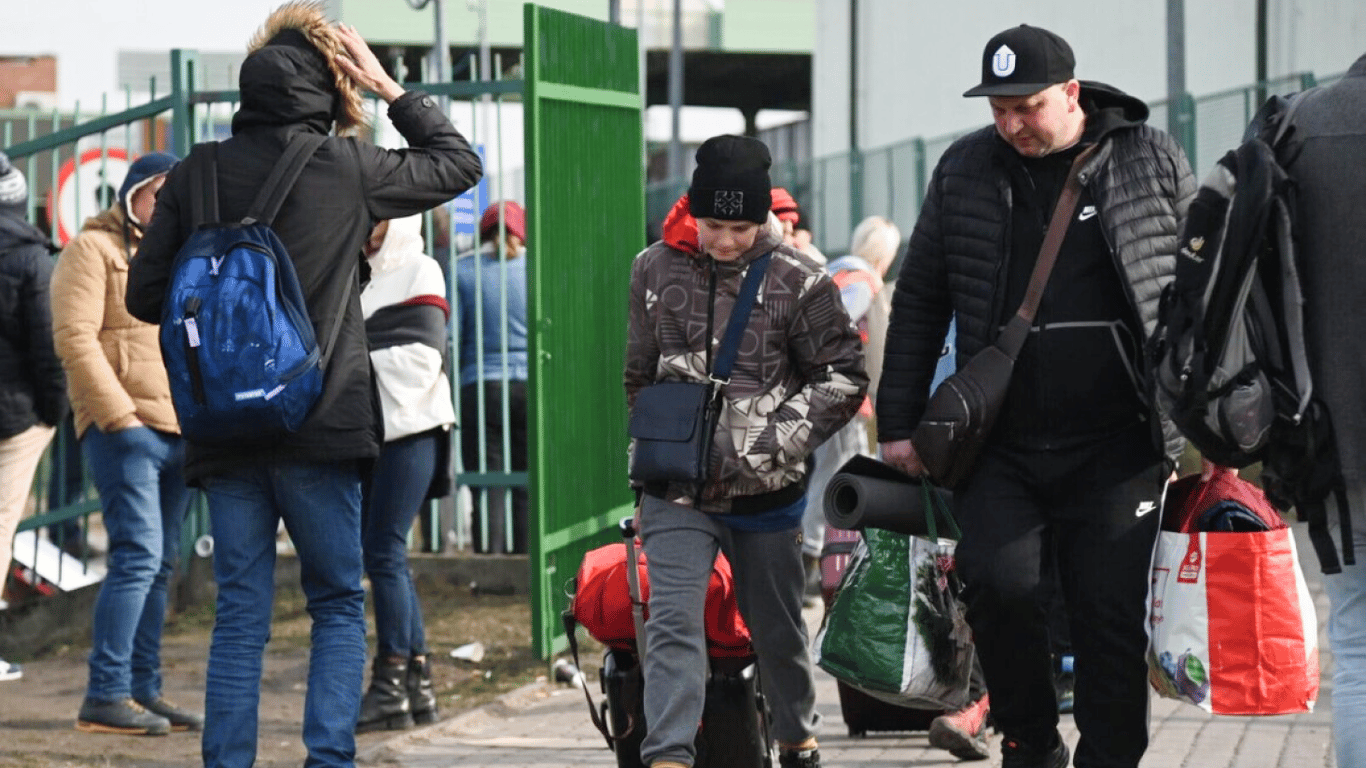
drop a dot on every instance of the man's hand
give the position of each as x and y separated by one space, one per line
359 63
901 454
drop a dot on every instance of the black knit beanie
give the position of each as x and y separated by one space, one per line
731 180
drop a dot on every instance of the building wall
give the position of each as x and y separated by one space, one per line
916 57
393 21
760 25
769 25
26 74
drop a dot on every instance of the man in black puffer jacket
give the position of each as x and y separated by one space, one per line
302 74
32 386
1077 458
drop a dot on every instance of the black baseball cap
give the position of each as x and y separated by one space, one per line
1024 60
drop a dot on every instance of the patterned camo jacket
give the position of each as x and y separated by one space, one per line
798 375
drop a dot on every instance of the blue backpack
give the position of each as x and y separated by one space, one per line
239 347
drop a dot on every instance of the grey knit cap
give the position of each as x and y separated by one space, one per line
13 187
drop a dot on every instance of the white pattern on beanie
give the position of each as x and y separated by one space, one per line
13 188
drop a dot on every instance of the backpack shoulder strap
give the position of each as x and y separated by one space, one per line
282 177
204 186
332 333
1316 513
1286 123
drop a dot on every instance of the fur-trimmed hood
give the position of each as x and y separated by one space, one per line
291 76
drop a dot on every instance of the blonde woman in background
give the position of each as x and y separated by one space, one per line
872 248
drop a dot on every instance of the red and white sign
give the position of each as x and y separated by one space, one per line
85 186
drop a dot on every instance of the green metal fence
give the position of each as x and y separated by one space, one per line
891 180
584 180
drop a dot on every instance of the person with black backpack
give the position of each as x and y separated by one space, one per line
302 78
1324 157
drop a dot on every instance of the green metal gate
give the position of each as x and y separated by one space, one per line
586 220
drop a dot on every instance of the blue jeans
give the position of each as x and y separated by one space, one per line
1347 638
402 476
138 473
320 506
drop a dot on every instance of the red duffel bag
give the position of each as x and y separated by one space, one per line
602 602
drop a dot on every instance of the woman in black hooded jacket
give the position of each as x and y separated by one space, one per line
302 75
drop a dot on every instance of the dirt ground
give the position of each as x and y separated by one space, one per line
38 713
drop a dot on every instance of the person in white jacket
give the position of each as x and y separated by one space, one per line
406 316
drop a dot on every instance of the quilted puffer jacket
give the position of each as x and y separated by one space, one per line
112 359
32 387
1141 183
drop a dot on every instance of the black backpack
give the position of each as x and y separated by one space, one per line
1228 354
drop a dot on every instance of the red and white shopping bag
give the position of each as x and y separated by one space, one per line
1232 627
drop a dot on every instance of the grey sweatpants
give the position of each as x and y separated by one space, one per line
681 545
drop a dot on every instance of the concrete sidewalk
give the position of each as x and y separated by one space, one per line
545 725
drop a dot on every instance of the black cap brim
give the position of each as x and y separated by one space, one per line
1007 89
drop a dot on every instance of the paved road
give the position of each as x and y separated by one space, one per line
542 725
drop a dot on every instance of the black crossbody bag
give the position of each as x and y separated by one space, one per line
962 411
673 422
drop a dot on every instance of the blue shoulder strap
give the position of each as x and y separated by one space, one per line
739 318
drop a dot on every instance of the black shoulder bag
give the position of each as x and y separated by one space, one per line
962 411
673 422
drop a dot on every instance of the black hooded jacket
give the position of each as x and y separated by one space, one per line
32 386
963 260
346 188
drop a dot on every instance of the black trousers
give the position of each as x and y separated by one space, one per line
483 441
1097 508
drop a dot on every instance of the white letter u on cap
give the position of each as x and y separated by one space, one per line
1003 62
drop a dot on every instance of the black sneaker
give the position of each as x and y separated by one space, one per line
181 719
799 758
123 716
1017 754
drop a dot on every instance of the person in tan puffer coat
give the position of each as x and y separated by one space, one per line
127 426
